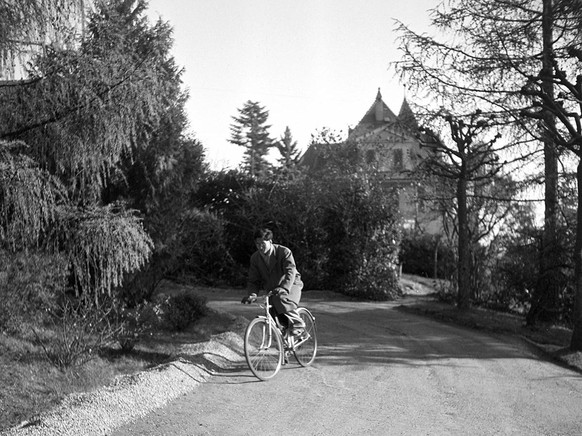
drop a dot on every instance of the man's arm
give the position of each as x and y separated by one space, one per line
289 268
254 281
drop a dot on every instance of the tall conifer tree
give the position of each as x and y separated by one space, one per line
288 149
250 131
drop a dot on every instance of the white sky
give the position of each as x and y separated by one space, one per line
311 63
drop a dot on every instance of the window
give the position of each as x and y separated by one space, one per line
398 159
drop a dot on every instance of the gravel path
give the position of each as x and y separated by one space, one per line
136 395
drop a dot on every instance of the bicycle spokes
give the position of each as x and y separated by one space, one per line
267 346
263 349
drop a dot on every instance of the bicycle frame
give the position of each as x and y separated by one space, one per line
270 322
268 344
288 340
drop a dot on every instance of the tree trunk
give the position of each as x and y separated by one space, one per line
545 304
576 341
436 258
463 269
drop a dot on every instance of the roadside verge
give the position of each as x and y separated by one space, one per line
133 396
551 341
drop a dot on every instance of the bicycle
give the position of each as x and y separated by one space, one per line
268 344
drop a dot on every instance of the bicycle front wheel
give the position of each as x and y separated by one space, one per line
263 349
307 342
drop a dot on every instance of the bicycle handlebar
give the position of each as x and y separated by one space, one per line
256 297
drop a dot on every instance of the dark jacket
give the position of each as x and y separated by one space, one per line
280 273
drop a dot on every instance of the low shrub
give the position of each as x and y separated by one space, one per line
182 310
135 323
376 277
78 329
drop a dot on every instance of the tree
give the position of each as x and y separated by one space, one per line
26 26
512 72
287 147
84 111
546 291
29 199
250 131
468 159
493 71
566 132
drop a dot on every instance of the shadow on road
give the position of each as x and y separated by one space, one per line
376 333
385 336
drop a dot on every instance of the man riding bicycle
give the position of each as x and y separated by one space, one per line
272 267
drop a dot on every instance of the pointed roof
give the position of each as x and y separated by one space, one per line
378 125
406 116
378 113
379 116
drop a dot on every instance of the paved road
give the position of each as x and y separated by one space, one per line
384 372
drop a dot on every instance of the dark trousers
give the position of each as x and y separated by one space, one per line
284 305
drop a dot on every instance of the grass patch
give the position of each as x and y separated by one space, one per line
31 385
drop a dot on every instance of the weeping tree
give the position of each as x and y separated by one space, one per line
70 124
29 198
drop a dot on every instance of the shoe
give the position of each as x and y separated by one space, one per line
298 331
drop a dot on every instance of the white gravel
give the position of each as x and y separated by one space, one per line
136 395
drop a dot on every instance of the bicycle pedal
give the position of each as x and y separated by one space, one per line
298 332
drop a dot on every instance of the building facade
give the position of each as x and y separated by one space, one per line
393 146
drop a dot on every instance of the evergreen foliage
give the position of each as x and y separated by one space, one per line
205 255
29 198
250 131
35 22
343 230
103 245
530 81
94 163
289 151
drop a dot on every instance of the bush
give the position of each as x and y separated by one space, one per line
182 310
377 281
362 238
134 323
28 285
342 229
204 250
80 328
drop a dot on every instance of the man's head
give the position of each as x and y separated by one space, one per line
263 240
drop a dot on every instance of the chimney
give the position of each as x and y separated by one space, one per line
379 110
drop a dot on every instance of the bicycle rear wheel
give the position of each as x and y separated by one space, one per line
263 349
306 351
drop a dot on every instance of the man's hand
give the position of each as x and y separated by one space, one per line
279 291
249 299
